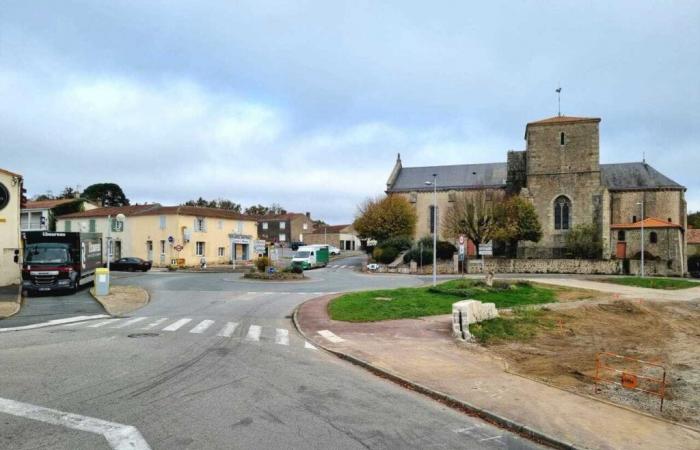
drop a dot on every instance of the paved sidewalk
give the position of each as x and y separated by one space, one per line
423 352
9 300
624 291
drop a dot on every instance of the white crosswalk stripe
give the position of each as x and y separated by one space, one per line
282 336
176 325
228 329
101 324
130 322
310 346
331 336
202 326
253 333
155 323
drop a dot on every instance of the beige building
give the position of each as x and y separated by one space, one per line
10 246
342 236
165 233
40 215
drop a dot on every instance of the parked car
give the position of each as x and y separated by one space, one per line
333 250
295 245
131 264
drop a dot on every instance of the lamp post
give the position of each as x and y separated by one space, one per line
435 226
641 263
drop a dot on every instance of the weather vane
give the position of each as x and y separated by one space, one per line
559 100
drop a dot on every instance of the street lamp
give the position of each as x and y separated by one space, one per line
435 226
641 267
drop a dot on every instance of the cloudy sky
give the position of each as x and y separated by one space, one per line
307 103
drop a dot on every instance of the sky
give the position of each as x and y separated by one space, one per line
307 103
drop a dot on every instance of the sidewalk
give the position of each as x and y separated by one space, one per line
423 353
10 300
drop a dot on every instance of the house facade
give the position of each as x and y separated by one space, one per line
285 228
163 234
342 236
10 243
40 215
560 173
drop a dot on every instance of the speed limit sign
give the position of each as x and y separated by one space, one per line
461 239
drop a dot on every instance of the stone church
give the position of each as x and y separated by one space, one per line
560 173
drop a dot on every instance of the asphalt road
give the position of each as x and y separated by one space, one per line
233 374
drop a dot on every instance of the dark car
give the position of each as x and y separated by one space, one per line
130 265
295 245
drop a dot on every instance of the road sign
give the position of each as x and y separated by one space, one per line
171 239
486 249
461 239
461 249
178 247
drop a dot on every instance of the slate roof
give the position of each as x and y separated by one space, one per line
460 176
636 175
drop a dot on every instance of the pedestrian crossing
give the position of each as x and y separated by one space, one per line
206 327
339 266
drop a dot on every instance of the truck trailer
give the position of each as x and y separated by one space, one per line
311 256
59 261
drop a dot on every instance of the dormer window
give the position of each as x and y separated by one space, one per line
562 138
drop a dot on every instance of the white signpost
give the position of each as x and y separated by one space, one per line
486 249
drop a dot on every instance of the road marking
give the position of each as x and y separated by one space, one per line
131 322
202 326
331 337
99 324
119 437
343 266
55 322
308 345
154 324
176 325
228 329
253 333
282 336
489 438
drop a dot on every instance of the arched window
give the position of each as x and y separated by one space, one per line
562 138
621 235
653 238
562 213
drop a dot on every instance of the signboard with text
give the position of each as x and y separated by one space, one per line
486 249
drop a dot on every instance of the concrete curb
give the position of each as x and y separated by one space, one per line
106 308
18 300
446 399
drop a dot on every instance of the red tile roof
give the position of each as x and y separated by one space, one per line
649 222
693 236
156 209
111 211
48 204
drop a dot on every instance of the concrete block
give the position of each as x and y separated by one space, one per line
466 312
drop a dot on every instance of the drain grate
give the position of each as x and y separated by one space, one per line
142 335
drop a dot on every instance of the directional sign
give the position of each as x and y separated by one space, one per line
178 247
486 249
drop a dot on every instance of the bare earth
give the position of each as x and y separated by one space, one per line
664 333
123 299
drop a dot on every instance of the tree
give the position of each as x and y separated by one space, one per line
583 241
47 196
106 194
472 214
260 210
694 219
68 192
384 218
516 220
218 203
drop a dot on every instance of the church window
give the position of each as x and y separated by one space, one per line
621 235
653 238
562 138
433 213
562 213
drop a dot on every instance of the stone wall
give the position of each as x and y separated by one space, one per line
663 204
668 247
579 266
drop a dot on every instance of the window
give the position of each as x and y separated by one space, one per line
24 221
562 213
283 225
306 226
200 224
413 197
92 225
67 225
162 222
199 248
451 196
562 138
264 225
221 251
653 238
162 247
634 219
283 237
669 220
621 235
433 213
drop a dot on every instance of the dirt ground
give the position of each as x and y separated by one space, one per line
667 334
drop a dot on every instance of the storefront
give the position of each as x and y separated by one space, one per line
240 247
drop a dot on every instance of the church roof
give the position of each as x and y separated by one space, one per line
649 222
461 176
634 176
564 119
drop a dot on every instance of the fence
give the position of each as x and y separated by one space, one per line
630 373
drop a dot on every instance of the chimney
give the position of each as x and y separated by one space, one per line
308 215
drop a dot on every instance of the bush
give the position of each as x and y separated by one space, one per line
583 241
445 250
385 255
400 243
415 255
261 263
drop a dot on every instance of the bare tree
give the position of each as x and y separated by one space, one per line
473 215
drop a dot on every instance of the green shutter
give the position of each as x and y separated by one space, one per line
67 225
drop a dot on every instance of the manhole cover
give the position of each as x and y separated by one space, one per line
143 335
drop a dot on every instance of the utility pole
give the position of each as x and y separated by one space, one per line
435 226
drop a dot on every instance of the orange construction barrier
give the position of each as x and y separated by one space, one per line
631 373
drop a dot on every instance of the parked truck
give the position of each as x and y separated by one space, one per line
311 256
59 261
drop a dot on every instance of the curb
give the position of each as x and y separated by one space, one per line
18 300
446 399
92 293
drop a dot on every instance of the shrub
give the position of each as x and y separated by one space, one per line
415 255
583 241
400 243
261 263
694 263
385 255
445 250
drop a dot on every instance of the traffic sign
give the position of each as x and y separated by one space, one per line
178 247
461 239
171 239
486 249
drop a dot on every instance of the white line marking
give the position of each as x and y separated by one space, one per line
331 337
489 438
174 326
282 336
55 322
130 322
202 326
119 437
154 324
253 333
343 266
308 345
228 329
99 324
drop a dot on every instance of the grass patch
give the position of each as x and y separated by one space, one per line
654 283
521 325
405 303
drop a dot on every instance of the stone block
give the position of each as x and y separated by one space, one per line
466 312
